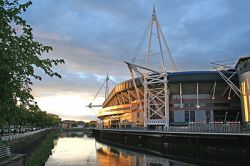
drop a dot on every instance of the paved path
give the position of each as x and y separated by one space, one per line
18 136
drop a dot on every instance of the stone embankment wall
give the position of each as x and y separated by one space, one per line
212 147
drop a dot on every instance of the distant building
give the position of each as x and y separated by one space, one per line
72 124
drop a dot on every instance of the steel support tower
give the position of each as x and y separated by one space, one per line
156 98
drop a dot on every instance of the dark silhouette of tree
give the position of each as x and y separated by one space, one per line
20 55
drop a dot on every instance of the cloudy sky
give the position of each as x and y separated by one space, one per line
95 36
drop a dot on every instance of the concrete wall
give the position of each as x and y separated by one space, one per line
230 148
15 160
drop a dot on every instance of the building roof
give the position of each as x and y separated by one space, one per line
242 59
177 77
198 76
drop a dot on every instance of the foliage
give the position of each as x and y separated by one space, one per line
27 144
91 123
20 55
74 125
2 142
34 117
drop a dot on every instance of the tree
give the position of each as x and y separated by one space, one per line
74 125
19 56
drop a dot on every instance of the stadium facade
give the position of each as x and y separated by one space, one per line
158 99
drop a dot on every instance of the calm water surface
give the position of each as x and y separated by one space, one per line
75 149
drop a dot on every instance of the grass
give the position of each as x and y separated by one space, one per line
2 142
40 155
37 147
27 144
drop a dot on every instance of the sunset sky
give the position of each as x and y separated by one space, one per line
95 36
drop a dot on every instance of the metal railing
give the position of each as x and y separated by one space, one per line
18 136
4 151
212 127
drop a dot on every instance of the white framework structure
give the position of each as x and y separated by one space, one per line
219 68
156 99
105 85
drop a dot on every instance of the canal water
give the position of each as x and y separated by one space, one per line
75 149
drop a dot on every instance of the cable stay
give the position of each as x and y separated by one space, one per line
153 30
104 86
140 44
155 109
220 67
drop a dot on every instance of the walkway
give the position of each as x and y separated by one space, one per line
18 136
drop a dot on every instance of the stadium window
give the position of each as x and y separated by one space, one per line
208 116
192 116
186 116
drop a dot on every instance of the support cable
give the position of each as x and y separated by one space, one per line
103 84
159 39
141 42
167 48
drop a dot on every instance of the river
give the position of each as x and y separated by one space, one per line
75 149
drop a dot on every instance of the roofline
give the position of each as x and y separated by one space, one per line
242 59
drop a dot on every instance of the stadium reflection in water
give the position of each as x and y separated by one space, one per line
78 149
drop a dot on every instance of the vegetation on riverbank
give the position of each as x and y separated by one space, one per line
40 155
27 144
36 147
2 143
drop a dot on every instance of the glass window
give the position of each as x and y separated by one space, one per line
200 116
208 116
179 116
186 116
192 116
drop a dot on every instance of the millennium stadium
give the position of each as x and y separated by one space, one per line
158 98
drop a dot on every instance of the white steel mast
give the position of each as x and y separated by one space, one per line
155 83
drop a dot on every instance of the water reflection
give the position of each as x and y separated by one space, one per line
73 151
78 149
72 134
115 156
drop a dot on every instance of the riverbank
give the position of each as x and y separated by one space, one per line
41 153
199 147
27 144
35 149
